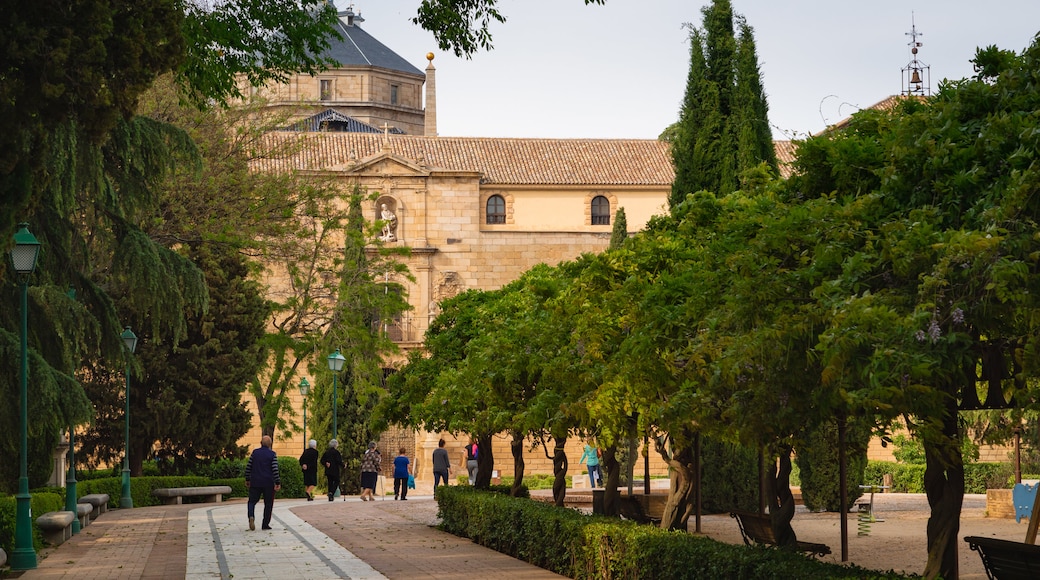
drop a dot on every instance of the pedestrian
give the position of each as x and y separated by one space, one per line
333 462
590 457
371 465
441 464
470 454
402 469
309 465
262 479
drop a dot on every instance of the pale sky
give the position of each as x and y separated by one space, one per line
562 69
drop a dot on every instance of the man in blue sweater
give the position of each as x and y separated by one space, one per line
262 478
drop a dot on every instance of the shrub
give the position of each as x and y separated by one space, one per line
41 503
292 477
729 477
592 547
817 459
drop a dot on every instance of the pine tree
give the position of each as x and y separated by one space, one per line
723 127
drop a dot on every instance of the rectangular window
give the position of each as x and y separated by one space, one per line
393 94
325 92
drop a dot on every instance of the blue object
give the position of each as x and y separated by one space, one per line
1023 496
411 481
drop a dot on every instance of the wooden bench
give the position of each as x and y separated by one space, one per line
1005 559
99 501
175 495
56 527
758 529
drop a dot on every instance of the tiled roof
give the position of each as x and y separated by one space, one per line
499 161
359 48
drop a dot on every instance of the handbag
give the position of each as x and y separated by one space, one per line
411 481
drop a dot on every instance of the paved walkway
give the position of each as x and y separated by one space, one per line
313 540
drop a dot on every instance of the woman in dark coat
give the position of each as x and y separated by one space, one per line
333 462
309 465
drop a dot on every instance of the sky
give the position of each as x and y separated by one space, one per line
562 69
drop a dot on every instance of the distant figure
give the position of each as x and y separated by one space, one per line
262 479
371 465
309 465
441 465
333 462
590 457
389 224
471 452
402 469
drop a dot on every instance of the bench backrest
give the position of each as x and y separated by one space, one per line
756 527
1007 560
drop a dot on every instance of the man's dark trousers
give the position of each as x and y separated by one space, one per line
254 496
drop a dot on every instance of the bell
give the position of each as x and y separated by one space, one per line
915 79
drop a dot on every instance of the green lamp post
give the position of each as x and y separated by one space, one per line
70 476
336 361
126 500
305 389
24 254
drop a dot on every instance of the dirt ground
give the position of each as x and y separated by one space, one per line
896 542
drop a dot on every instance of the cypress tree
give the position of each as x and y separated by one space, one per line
723 126
619 233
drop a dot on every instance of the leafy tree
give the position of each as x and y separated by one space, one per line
723 126
619 233
461 26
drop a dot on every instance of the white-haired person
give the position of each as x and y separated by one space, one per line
309 465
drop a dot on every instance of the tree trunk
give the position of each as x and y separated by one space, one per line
611 495
780 499
517 447
944 486
560 471
485 462
679 505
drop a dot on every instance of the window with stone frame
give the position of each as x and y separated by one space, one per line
325 89
496 210
393 94
600 211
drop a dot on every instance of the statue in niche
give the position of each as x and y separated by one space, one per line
389 233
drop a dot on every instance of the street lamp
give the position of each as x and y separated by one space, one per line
336 361
24 254
305 389
130 341
70 477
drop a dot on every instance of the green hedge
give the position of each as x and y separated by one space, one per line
909 478
579 546
140 487
41 503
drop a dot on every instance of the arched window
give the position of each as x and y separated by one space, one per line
496 210
600 211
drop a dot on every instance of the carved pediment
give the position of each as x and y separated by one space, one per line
384 164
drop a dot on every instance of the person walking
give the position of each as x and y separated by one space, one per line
402 469
590 457
333 462
309 465
262 479
441 465
471 452
371 465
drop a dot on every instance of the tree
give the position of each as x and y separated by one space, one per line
454 23
723 126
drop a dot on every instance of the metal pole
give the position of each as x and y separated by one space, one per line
335 407
127 500
70 480
305 423
24 555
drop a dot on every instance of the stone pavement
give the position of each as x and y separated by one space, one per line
314 540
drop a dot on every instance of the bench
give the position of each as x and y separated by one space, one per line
56 527
175 495
99 501
758 529
1007 560
83 511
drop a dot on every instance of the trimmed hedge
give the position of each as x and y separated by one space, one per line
41 503
579 546
909 478
140 487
